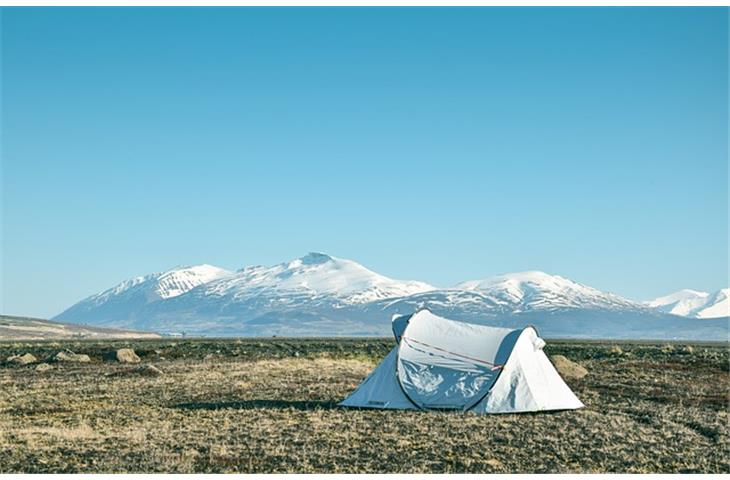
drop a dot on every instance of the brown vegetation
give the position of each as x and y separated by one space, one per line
263 405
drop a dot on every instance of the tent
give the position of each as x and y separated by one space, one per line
444 364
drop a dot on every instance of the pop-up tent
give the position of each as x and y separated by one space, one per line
444 364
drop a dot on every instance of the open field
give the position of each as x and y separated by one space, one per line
269 405
27 328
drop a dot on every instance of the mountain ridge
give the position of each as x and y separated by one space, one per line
319 294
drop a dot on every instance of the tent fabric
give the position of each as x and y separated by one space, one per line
381 389
528 382
399 324
444 364
447 364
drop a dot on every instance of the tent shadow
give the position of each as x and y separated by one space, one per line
259 403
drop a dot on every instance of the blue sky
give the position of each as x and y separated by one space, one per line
432 144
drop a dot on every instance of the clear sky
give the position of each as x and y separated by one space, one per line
432 144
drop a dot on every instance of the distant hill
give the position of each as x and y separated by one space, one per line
320 295
24 328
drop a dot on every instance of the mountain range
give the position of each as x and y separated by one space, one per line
318 295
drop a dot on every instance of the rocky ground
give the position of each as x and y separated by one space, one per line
269 405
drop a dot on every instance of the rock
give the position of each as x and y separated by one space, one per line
43 367
616 350
141 370
567 368
148 371
688 349
126 355
69 356
24 359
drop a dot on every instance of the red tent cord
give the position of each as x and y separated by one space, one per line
493 365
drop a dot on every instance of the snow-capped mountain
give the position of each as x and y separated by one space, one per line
530 291
187 298
516 294
557 306
695 304
118 302
717 305
314 275
679 303
323 295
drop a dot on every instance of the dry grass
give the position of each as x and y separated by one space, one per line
273 409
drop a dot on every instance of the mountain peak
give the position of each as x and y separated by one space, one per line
314 276
529 277
315 258
182 279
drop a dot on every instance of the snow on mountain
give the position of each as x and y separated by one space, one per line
556 306
694 304
682 302
315 275
717 305
178 281
534 290
164 285
316 284
114 304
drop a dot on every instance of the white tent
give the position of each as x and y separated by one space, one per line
444 364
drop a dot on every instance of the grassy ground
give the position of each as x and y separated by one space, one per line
269 406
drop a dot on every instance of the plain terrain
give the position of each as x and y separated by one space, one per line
26 328
269 405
